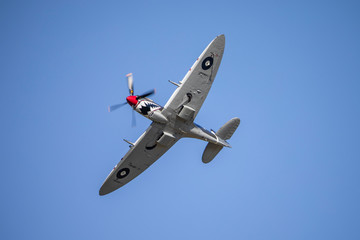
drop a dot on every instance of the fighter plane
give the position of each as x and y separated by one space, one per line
173 121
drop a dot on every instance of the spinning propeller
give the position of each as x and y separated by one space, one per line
132 99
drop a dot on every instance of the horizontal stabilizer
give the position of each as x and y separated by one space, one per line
225 132
210 152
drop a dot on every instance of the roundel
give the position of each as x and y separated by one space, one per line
207 63
123 173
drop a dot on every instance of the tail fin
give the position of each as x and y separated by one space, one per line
225 132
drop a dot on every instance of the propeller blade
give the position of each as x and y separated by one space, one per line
130 83
146 94
133 120
116 106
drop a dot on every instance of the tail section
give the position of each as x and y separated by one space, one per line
224 133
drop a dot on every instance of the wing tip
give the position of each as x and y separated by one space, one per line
220 39
104 191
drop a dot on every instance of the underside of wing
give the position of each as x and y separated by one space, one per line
150 146
195 86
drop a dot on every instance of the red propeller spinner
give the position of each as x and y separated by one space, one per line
132 100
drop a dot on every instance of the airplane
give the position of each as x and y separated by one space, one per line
173 121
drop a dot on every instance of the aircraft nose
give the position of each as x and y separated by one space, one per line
131 100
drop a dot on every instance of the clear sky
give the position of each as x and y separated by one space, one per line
290 72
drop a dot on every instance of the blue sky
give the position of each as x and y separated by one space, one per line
290 71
